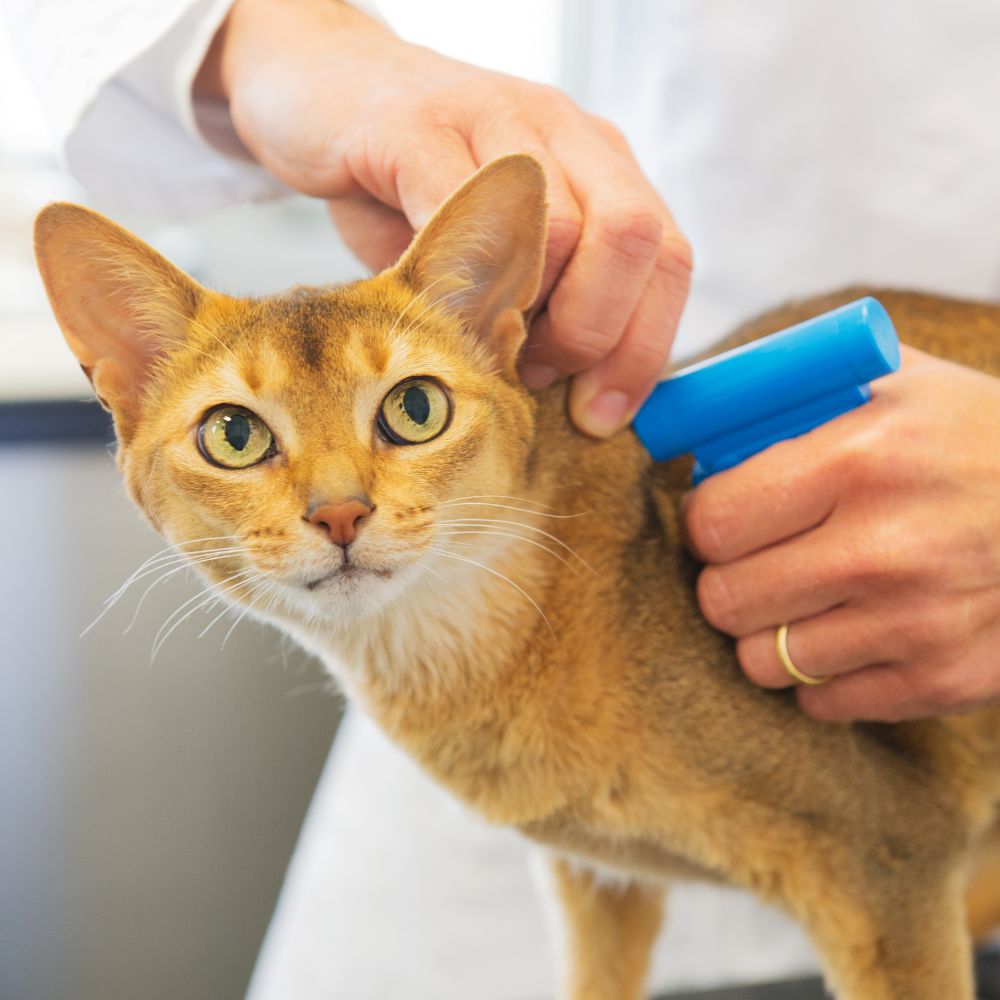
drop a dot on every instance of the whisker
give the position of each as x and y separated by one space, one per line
185 563
507 506
260 588
167 553
251 597
158 645
174 563
222 614
164 561
511 534
160 638
494 496
489 522
497 573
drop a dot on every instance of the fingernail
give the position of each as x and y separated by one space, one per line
606 413
536 376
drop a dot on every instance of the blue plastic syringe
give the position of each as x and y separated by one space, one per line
729 407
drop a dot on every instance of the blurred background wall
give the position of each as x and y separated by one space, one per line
148 809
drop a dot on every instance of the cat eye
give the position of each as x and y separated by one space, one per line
414 411
234 438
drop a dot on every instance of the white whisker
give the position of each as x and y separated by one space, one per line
509 534
497 573
167 565
222 614
490 522
186 562
170 552
161 636
260 588
493 496
522 510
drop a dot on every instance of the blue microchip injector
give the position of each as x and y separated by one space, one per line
729 407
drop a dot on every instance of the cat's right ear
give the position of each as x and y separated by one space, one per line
119 303
481 255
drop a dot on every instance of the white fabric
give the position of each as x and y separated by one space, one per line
805 146
115 78
801 146
396 892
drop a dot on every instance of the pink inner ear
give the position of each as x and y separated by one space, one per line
119 303
114 385
488 236
101 325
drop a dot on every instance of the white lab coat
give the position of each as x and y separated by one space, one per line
801 146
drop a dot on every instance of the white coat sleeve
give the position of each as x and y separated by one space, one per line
115 77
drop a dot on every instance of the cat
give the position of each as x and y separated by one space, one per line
511 601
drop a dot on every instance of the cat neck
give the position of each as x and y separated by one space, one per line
450 674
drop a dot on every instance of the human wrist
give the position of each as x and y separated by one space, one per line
254 28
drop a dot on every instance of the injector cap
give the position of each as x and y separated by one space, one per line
731 406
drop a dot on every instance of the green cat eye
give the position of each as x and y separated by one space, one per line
414 411
234 438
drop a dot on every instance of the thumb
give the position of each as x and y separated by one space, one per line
376 233
428 174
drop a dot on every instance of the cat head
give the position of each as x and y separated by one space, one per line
308 449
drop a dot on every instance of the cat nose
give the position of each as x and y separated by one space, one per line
341 521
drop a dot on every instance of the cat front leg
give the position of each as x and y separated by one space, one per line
982 898
609 928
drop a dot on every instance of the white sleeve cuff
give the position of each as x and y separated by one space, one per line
116 78
137 145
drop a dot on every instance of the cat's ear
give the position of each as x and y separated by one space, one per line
120 304
481 255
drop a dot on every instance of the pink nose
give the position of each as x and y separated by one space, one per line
341 521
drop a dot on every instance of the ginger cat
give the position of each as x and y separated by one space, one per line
511 601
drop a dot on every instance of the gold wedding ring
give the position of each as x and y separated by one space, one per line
781 645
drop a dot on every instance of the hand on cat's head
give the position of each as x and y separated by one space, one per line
345 415
401 125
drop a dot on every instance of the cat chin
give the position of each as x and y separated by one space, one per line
345 598
347 577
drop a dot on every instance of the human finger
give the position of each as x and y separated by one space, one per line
786 489
625 226
606 396
564 215
843 639
376 234
430 165
597 292
809 647
796 579
894 692
564 225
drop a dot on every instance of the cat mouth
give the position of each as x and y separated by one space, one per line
348 572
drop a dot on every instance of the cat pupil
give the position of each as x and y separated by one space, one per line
237 431
416 404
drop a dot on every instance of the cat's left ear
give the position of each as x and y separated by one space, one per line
481 255
121 306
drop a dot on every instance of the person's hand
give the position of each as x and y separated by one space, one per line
877 536
338 107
